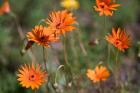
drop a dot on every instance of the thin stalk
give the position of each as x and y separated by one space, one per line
35 91
21 34
117 53
100 87
108 46
104 23
108 57
117 69
65 51
44 58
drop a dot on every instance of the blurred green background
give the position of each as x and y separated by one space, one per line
86 48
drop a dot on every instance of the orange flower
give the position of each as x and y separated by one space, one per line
31 76
62 21
119 39
5 7
41 35
105 7
100 73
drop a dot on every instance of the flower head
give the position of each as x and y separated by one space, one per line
62 21
5 7
119 39
100 73
70 4
105 7
42 36
31 76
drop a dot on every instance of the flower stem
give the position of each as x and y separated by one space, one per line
35 91
65 51
117 69
117 53
100 87
104 23
108 58
21 34
44 58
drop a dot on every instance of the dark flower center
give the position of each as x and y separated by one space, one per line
58 25
32 77
118 42
43 39
102 6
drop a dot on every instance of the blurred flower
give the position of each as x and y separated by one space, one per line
119 39
62 21
100 73
105 7
31 76
41 35
5 7
70 4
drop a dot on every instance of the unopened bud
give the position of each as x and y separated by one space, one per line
70 84
55 85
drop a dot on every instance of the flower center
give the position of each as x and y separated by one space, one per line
32 77
103 6
43 38
58 25
118 42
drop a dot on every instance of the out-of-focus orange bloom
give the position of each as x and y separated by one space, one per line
31 76
5 7
119 39
105 7
100 73
42 36
62 21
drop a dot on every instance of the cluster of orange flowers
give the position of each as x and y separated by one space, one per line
58 23
118 38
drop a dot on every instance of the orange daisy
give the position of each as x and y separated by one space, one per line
100 73
31 76
5 7
105 7
42 36
62 21
119 39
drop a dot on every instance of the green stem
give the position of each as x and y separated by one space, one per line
44 58
104 23
108 58
65 51
117 53
116 73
